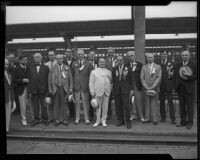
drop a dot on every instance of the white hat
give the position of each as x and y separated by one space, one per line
95 103
48 100
69 97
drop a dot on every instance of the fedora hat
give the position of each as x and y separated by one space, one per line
95 103
151 92
48 100
185 72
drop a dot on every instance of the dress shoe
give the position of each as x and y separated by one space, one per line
65 123
57 123
24 122
76 122
104 124
163 120
108 118
46 123
133 117
96 124
87 121
173 121
189 126
181 124
155 123
128 125
146 121
49 121
142 119
34 123
120 124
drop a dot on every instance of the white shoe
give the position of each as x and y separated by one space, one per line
96 124
24 122
142 119
104 124
87 121
133 117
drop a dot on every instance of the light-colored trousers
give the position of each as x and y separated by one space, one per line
137 107
151 108
101 111
22 103
8 114
85 102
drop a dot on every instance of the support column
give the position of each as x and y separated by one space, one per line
67 39
139 32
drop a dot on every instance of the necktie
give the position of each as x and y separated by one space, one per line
80 64
150 67
120 72
51 64
59 76
163 61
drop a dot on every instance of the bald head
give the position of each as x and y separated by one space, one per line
37 57
185 55
131 55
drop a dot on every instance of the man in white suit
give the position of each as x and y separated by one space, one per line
100 87
51 63
151 74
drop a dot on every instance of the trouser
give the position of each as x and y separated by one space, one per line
151 108
71 109
109 114
101 111
91 109
186 104
17 110
122 108
22 102
138 106
85 102
38 100
50 109
162 95
8 114
60 107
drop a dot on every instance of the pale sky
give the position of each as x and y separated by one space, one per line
41 14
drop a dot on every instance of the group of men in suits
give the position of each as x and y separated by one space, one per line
63 74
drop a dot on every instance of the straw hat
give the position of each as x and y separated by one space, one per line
95 103
185 72
69 97
151 92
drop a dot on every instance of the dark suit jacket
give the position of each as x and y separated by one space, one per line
136 75
38 81
8 90
19 74
109 64
81 78
126 85
190 83
166 82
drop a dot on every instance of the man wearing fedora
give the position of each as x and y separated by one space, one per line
185 87
62 84
122 89
111 62
100 88
151 75
52 62
166 86
136 67
81 71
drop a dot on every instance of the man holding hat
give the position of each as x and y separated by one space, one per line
62 84
100 88
20 78
136 67
110 64
69 60
185 75
151 75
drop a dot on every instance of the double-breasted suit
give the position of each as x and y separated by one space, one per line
81 73
122 85
166 86
151 79
62 83
185 90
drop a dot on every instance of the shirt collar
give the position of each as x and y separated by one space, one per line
185 63
23 66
